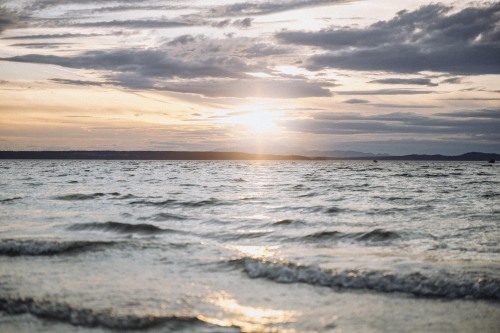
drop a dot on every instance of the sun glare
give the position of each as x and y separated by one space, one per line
255 119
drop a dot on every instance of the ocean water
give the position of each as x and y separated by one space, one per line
249 246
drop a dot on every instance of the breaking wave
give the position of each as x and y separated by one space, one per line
26 247
121 228
418 284
376 235
91 318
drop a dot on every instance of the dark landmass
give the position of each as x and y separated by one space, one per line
472 156
208 155
143 155
339 154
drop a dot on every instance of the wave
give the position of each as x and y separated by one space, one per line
287 222
188 204
164 203
418 284
160 217
436 175
10 199
86 196
65 313
79 196
26 247
489 195
121 228
376 235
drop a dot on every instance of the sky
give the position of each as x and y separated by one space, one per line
284 76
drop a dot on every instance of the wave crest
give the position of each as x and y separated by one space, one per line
14 247
376 235
417 284
90 318
121 228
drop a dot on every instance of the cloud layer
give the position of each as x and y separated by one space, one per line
431 38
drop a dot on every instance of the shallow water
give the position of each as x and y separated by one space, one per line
239 246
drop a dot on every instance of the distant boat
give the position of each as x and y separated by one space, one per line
491 161
375 161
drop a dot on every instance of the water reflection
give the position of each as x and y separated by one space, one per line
248 318
255 251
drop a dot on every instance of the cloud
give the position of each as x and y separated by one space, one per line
487 114
183 40
453 80
422 82
77 82
432 38
221 24
7 19
484 125
244 23
210 73
387 105
40 45
267 7
265 88
356 101
43 4
384 92
153 63
403 106
52 36
135 24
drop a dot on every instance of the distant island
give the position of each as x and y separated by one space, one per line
210 155
143 155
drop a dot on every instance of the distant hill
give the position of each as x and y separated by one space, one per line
211 155
338 153
143 155
472 156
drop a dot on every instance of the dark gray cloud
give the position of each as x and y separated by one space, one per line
182 40
384 92
43 4
483 114
78 82
388 105
267 7
418 82
243 23
402 123
213 74
7 19
152 63
221 24
431 38
250 49
51 36
135 24
403 106
41 45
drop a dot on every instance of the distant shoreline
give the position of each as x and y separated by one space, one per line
207 155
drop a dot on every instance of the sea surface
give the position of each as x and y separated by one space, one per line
249 246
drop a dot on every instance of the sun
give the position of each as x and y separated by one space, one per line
257 118
256 121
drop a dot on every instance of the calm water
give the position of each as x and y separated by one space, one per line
217 246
